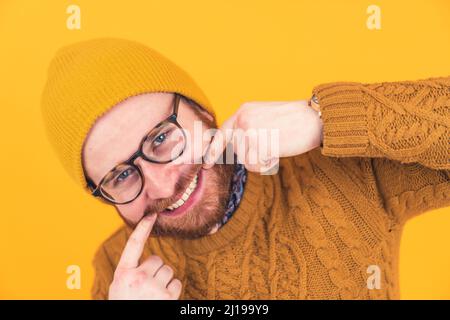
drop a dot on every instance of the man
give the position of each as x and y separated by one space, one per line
356 162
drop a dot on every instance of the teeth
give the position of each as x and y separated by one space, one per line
187 193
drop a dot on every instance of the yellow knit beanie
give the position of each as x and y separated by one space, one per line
88 78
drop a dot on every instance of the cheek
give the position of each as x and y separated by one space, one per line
132 212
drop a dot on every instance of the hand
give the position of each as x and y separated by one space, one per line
152 280
298 127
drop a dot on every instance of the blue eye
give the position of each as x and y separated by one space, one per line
160 139
123 175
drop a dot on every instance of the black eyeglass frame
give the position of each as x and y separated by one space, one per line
96 189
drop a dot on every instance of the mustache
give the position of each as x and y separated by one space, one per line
180 186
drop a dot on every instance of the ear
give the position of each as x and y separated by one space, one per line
199 109
207 115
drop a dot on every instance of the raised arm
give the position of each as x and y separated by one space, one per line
403 127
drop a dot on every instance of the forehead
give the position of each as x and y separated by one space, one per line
117 134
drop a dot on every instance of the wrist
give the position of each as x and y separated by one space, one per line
314 104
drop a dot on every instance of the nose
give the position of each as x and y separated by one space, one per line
159 179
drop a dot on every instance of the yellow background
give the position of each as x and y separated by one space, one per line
237 51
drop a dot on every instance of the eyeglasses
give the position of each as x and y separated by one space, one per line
163 144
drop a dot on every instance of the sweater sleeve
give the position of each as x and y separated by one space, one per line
403 127
104 272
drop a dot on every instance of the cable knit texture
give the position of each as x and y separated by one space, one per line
313 230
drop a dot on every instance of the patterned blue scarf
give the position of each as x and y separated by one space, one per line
237 190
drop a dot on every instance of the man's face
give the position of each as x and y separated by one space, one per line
116 136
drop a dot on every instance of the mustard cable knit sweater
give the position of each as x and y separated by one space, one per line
312 230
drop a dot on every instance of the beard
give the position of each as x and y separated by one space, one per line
203 216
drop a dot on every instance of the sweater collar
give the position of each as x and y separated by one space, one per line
235 226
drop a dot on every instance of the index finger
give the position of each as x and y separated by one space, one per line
135 244
219 142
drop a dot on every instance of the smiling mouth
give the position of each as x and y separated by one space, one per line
187 199
185 196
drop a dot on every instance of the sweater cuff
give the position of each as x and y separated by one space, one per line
344 115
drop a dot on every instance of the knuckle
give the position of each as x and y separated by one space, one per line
167 270
155 261
138 278
141 275
176 284
243 119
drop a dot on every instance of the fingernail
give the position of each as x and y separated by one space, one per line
205 159
206 164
